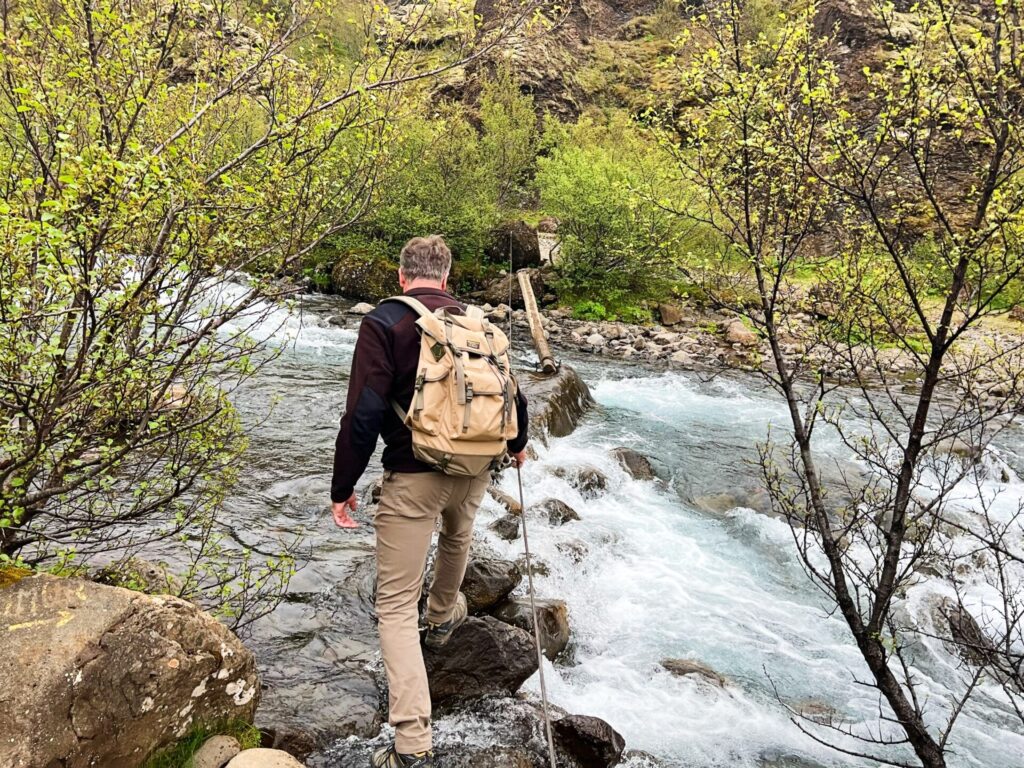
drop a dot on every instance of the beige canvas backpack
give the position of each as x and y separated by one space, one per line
463 409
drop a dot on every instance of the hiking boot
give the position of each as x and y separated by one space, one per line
438 635
388 757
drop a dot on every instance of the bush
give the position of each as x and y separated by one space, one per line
618 245
443 176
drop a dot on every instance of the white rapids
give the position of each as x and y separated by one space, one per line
647 574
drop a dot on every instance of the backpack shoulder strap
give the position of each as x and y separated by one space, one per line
414 304
428 320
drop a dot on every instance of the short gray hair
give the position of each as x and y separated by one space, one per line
426 258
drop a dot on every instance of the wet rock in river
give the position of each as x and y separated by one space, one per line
756 499
588 741
575 550
590 482
556 511
506 527
552 616
688 667
636 464
69 643
484 656
511 505
557 402
511 733
488 581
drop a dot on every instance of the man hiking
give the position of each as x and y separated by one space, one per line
432 377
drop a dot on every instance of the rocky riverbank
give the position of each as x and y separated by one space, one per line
703 339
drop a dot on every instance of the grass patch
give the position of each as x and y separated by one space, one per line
180 755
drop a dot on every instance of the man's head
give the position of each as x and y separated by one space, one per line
425 263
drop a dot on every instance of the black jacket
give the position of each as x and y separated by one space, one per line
384 368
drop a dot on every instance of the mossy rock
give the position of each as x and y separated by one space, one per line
365 277
12 574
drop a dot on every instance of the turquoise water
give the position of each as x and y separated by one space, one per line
666 574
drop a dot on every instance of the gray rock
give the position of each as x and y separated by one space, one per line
362 308
552 615
484 656
575 550
556 510
590 741
636 464
737 333
216 752
69 643
264 758
506 527
596 340
590 482
670 314
139 575
488 581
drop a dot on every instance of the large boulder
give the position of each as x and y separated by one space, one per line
589 741
98 675
557 402
516 240
500 290
488 581
365 277
484 656
552 616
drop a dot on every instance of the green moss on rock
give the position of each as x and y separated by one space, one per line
365 277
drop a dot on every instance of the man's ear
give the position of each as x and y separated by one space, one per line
401 279
444 283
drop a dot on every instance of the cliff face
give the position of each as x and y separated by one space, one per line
606 53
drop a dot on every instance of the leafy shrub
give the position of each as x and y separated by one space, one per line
589 310
604 183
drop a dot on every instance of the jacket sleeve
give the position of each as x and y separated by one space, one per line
368 390
523 417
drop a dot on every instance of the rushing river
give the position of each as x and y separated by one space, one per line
662 574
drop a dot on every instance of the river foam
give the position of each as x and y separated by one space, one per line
660 576
665 579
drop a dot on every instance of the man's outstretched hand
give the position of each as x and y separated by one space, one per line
340 510
518 459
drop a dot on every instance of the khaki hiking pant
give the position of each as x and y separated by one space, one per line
410 505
